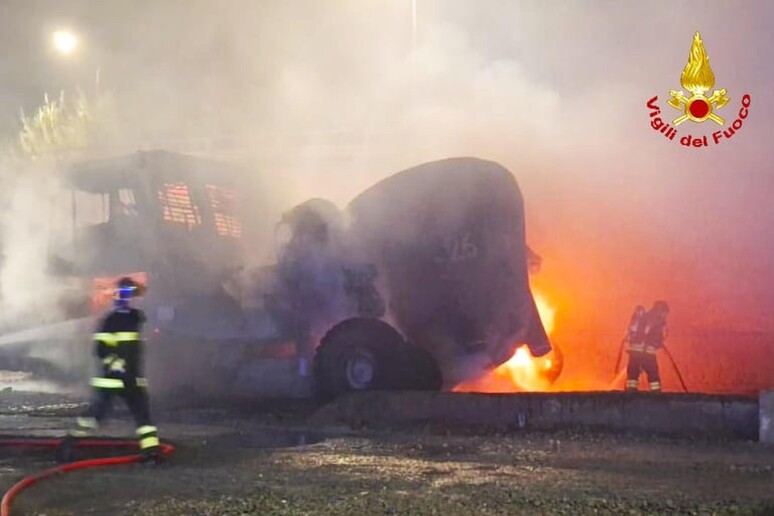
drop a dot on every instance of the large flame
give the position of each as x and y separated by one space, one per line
697 75
546 311
522 372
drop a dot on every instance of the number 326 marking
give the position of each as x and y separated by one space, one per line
458 249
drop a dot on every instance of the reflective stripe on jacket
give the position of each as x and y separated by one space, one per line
114 383
641 348
113 339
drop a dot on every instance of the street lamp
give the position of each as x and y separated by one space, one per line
65 41
413 24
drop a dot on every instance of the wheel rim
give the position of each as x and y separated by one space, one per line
360 370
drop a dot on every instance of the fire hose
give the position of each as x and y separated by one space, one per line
620 355
166 449
677 370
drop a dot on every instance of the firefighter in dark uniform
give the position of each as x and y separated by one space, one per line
647 339
118 346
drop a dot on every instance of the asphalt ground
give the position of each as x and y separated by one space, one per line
268 459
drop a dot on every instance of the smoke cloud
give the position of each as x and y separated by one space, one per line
326 98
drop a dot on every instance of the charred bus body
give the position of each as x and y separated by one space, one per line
448 239
421 281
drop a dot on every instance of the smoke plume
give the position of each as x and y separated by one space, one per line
326 98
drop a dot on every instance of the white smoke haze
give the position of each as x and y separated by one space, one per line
27 290
323 99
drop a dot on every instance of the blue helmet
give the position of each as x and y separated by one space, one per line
126 289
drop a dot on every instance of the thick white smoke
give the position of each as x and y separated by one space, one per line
28 292
326 98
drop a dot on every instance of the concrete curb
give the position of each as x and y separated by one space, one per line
664 413
766 416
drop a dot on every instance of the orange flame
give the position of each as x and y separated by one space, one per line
546 311
522 372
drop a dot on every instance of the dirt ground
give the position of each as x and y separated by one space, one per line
266 460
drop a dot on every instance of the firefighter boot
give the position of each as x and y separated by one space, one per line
152 457
149 444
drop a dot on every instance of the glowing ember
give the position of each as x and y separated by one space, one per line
522 372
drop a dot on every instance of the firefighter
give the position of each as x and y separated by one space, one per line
118 346
647 332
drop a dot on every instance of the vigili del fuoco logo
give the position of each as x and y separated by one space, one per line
698 79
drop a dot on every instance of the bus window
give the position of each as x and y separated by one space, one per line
91 209
177 206
223 202
126 205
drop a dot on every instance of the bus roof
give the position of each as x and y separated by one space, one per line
101 176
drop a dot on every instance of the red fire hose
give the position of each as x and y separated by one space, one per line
5 505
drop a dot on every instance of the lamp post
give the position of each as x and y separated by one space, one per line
413 24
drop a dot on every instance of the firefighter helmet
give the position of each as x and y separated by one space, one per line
661 307
127 288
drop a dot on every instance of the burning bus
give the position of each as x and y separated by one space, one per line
421 282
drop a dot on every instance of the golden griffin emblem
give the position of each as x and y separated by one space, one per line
698 78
